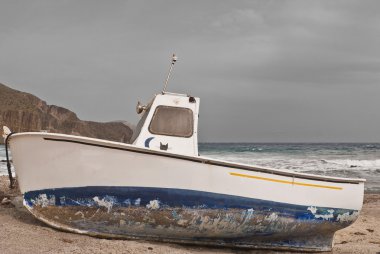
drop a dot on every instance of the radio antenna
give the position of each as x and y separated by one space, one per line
174 59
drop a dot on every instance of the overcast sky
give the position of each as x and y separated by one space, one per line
266 71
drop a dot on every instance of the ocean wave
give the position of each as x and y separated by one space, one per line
356 163
302 164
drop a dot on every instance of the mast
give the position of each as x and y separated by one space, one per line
174 60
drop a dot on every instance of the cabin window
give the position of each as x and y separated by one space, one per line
172 121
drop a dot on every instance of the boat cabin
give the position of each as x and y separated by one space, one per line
168 123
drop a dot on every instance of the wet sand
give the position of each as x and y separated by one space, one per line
20 232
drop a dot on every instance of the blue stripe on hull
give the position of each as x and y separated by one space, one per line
190 216
141 196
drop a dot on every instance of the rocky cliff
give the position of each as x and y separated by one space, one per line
25 112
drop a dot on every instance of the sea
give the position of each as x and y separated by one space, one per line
356 160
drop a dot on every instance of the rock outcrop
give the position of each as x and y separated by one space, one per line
25 112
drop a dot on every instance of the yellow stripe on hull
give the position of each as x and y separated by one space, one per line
286 182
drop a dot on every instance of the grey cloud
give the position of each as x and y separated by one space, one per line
270 70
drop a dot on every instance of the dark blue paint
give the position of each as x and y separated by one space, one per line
147 141
127 196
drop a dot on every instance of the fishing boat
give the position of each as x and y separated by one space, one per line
160 188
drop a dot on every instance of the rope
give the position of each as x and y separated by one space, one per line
11 180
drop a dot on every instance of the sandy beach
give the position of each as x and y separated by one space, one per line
20 232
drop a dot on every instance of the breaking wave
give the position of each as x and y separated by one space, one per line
357 163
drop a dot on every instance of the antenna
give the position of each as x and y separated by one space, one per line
174 59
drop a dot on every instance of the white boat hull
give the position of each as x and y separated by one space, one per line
111 189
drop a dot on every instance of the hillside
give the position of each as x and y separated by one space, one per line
25 112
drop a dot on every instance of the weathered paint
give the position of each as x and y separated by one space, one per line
188 216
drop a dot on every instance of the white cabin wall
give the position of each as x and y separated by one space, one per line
180 145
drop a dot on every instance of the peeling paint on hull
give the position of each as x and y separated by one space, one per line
188 216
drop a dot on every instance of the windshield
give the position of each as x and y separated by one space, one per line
172 121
